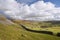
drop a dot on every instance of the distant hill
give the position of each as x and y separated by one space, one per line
4 20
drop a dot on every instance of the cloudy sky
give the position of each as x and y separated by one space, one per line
31 9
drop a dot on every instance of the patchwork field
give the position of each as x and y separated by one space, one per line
53 26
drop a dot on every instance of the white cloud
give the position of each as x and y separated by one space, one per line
37 11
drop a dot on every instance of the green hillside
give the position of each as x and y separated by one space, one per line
12 30
53 26
16 32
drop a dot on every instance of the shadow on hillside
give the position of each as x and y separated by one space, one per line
58 34
44 32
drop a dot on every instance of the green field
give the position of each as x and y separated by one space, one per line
44 26
15 31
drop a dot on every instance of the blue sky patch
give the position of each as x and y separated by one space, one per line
29 2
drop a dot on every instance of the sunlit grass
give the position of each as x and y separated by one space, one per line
16 32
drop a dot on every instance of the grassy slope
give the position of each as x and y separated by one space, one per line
16 32
53 26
